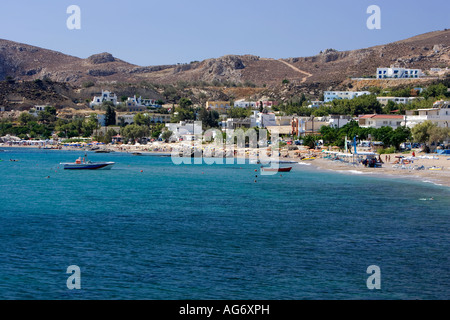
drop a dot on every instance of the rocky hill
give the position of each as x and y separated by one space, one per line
326 70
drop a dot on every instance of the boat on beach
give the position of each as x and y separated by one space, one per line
85 164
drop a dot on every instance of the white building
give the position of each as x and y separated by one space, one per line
400 73
234 123
106 96
139 102
439 116
263 120
308 125
126 118
185 128
338 121
245 104
403 100
37 108
331 95
380 120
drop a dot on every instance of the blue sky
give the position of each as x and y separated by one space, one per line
148 32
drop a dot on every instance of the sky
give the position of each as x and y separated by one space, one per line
149 32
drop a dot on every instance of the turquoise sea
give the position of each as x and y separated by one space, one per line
212 232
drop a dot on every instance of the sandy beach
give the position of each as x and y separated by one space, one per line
435 171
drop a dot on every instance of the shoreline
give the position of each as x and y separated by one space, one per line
439 177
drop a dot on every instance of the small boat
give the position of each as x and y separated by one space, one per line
102 151
137 154
287 169
85 164
307 159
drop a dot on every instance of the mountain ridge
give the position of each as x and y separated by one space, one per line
26 62
70 81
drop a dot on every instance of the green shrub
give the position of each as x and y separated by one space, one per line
387 150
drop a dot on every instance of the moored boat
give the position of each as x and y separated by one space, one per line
286 169
85 164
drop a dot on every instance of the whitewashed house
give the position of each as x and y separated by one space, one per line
398 73
338 121
245 104
439 115
106 96
37 108
185 128
331 95
402 100
263 120
380 120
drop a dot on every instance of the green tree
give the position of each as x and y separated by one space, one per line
141 119
310 140
183 115
185 103
89 125
399 135
110 116
437 135
157 129
421 132
25 118
110 133
436 91
134 132
166 135
429 133
329 134
237 112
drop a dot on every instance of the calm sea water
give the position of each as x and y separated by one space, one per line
211 232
